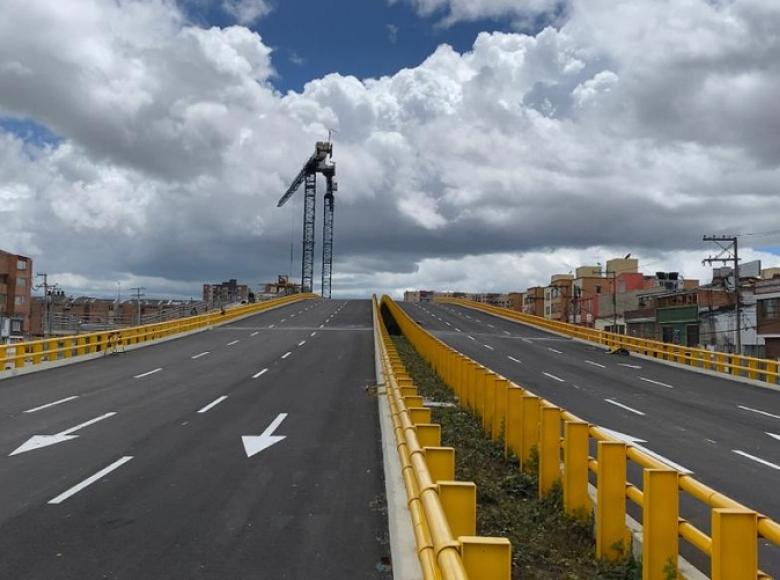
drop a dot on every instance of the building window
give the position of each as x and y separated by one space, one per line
598 289
21 264
769 310
21 282
18 300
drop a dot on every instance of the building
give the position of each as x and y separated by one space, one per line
281 287
225 293
767 293
418 296
516 301
533 301
557 296
587 286
16 280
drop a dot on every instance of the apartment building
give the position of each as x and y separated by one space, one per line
557 296
16 280
226 292
533 301
767 294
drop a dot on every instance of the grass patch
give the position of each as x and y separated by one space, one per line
545 542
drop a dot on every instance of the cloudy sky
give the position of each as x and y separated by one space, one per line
480 144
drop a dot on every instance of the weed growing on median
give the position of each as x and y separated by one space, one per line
546 543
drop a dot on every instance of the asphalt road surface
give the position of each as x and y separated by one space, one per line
250 450
727 433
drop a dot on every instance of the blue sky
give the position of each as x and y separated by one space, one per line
365 38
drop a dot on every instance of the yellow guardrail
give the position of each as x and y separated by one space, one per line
443 511
50 349
760 369
529 424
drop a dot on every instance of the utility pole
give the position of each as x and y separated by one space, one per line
729 253
138 295
48 298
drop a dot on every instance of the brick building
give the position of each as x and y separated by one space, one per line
767 293
16 280
533 301
226 292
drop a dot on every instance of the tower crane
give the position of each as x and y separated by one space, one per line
320 162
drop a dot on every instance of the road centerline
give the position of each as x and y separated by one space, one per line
212 404
53 403
142 375
626 407
90 480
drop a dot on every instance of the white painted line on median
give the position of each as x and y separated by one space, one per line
232 342
260 374
626 407
488 346
213 404
147 374
595 364
90 480
554 377
47 405
255 333
553 350
757 459
285 355
660 384
514 359
204 353
758 411
773 435
629 366
302 343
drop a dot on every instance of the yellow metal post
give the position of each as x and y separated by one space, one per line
429 435
81 346
441 463
499 417
734 544
549 449
531 414
575 471
611 533
513 433
486 558
459 500
419 415
490 403
37 353
660 513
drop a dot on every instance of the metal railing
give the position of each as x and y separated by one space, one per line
760 369
530 425
19 355
443 511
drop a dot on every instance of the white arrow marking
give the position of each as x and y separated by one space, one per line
659 383
254 444
90 480
635 442
774 436
759 412
147 374
47 405
39 441
757 459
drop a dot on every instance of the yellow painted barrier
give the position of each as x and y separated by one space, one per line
760 369
532 424
52 349
443 511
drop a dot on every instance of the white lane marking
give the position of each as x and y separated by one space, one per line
447 323
507 333
488 346
232 342
457 329
255 333
204 353
90 480
47 405
270 326
471 337
260 374
595 364
757 459
39 441
87 423
711 441
285 355
322 325
302 343
491 326
773 435
292 315
635 442
313 333
213 404
626 407
528 340
577 387
554 377
142 375
629 366
553 350
660 384
758 411
513 358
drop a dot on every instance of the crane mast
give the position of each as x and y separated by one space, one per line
319 162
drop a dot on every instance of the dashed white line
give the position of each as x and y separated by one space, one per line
629 366
322 325
757 459
47 405
554 350
271 326
313 333
659 383
507 333
471 337
773 435
142 375
595 364
212 404
554 377
285 355
488 346
447 323
457 329
232 342
255 333
758 411
204 353
282 320
626 407
513 359
259 374
90 480
302 343
491 326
